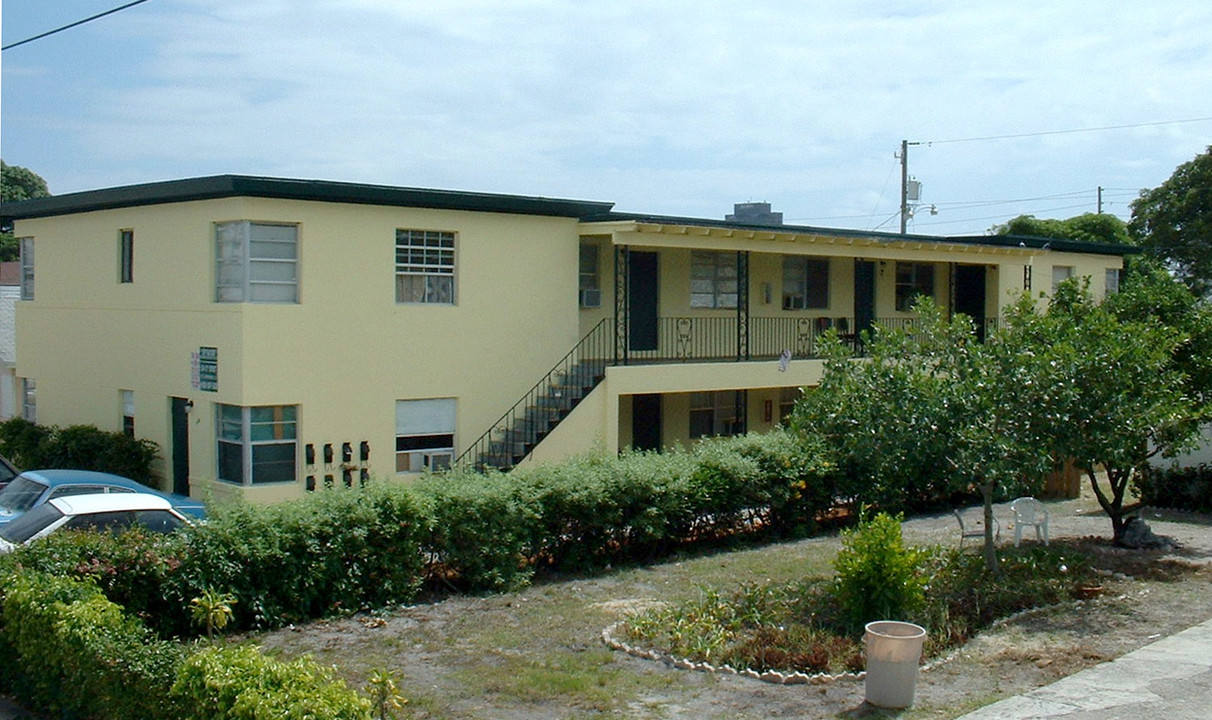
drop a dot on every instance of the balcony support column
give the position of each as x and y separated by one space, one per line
742 305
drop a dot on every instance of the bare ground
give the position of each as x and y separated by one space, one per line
538 654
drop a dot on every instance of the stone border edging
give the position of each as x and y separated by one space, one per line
776 677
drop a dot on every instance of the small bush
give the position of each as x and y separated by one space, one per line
1185 488
239 683
75 653
878 576
78 447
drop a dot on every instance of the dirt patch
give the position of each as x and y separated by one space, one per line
538 654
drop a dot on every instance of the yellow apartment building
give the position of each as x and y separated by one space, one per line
276 336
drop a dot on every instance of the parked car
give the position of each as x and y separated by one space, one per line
109 511
35 487
7 472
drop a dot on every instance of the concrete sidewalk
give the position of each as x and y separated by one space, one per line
1171 678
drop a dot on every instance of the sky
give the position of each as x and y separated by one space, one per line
660 106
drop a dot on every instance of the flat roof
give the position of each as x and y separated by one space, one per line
587 211
225 186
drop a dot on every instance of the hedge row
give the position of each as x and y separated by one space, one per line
1187 488
78 447
71 652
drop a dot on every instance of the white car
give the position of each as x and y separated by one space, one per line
113 512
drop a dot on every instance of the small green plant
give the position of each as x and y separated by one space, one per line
385 694
213 610
878 576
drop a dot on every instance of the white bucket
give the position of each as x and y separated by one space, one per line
893 652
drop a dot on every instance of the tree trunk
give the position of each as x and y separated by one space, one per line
990 548
1117 480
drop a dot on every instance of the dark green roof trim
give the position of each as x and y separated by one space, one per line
1023 241
225 186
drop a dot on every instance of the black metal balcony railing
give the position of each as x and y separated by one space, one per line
679 340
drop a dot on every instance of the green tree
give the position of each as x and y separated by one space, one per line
930 411
1112 395
1090 227
16 184
1174 222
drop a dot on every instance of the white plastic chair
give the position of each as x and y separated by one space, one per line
1029 512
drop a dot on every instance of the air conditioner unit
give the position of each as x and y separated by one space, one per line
591 298
437 461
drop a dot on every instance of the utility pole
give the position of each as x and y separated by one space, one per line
1100 199
904 155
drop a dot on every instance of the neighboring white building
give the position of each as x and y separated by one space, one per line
10 293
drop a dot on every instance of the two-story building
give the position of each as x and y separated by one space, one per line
275 336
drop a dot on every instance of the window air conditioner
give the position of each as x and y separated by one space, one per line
437 461
591 298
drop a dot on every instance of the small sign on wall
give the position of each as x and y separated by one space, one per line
204 369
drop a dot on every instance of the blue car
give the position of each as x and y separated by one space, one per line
34 487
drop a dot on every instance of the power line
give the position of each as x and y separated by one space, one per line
1068 132
72 25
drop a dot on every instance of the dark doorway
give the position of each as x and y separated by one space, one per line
646 422
180 440
970 295
864 295
642 299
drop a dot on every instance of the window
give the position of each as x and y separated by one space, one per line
1112 286
126 256
425 265
256 262
913 280
29 403
713 413
257 444
424 434
713 281
788 397
1060 273
589 292
128 411
805 283
27 268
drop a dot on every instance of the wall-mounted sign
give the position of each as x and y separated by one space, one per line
204 367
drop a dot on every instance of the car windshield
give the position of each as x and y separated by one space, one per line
21 494
30 524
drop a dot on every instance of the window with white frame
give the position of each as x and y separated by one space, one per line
1113 276
805 283
128 411
27 268
256 262
257 444
913 280
425 267
589 290
424 434
29 400
1060 273
713 413
126 256
713 279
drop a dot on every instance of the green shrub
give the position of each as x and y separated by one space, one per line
72 652
1186 488
239 683
797 481
480 528
877 576
78 447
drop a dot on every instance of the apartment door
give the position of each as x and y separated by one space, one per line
646 422
179 418
864 295
642 300
970 295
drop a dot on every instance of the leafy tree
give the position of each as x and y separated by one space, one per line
1174 221
16 184
1111 396
1090 227
929 412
